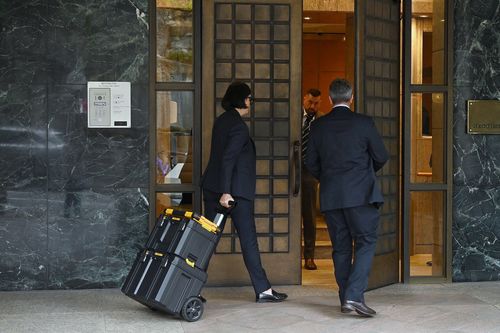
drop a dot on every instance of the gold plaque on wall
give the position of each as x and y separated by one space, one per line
483 117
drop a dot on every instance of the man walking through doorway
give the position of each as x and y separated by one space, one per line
312 101
344 152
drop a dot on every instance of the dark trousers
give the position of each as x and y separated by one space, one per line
346 226
242 216
309 187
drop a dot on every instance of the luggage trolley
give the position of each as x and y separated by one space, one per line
169 273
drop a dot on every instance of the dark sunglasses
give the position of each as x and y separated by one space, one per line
250 97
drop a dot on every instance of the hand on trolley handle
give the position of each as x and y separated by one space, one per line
226 200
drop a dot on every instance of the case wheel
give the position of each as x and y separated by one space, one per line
192 309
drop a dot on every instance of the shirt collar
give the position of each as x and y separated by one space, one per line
304 113
341 105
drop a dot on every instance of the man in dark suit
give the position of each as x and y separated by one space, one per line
344 152
309 184
231 176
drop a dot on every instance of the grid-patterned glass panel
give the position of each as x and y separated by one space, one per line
381 102
262 225
258 38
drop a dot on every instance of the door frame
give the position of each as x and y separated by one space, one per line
447 185
154 87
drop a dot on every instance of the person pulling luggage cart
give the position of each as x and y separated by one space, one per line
231 175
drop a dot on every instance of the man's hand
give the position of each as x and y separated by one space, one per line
224 200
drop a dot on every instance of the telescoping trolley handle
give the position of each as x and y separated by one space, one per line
220 216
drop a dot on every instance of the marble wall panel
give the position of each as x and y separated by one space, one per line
97 41
476 231
23 136
476 158
79 192
94 236
474 163
23 182
80 157
471 18
23 239
23 42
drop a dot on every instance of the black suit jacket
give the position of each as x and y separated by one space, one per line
344 152
231 167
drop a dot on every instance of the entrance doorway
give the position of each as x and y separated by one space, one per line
260 43
328 48
359 41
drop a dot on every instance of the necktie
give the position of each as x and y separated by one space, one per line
305 134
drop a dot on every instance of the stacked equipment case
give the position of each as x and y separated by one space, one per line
170 272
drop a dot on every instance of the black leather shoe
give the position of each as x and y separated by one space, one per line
275 297
310 265
345 309
360 307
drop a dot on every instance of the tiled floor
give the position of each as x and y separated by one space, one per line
458 307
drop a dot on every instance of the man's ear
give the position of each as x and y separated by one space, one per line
330 99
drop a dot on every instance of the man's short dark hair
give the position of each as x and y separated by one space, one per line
340 91
314 92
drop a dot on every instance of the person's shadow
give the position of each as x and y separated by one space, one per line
72 201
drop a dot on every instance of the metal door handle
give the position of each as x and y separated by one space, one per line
296 168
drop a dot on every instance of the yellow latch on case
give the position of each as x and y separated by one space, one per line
207 224
189 262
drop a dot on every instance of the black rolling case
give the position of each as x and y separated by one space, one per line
186 235
170 272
